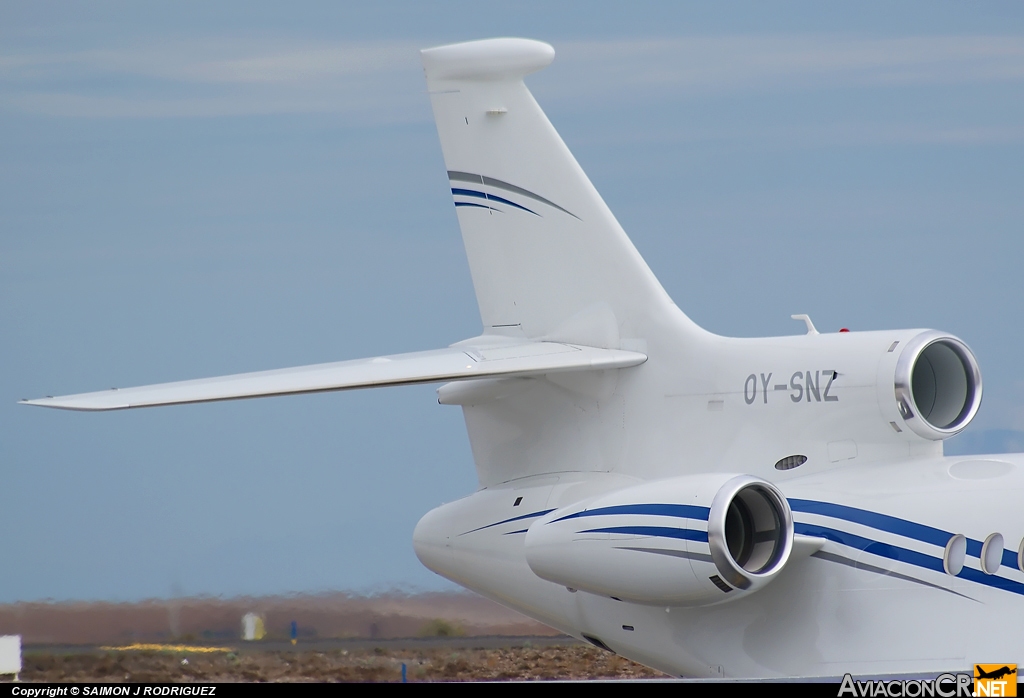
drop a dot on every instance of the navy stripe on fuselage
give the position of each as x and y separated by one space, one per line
472 205
884 522
991 580
654 532
1010 559
679 511
892 552
910 557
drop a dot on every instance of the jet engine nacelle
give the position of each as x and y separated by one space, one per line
693 540
938 385
880 387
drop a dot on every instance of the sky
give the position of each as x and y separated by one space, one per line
192 189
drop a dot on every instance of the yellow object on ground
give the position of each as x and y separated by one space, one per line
144 647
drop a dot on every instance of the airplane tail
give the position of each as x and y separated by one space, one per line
547 257
549 262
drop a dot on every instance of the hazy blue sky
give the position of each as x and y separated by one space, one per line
192 189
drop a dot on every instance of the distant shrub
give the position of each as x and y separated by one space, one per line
439 627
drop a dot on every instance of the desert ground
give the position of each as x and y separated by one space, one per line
438 637
519 660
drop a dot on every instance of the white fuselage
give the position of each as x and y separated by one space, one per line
881 502
873 600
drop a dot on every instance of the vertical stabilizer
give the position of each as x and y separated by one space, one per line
545 252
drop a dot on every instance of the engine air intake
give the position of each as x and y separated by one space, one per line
938 385
750 531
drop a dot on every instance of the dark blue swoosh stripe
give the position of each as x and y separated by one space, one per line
911 557
1010 558
469 203
655 531
490 197
893 552
991 580
883 522
456 176
680 511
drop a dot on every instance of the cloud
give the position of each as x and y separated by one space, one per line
216 78
226 77
774 62
875 74
814 135
382 105
219 61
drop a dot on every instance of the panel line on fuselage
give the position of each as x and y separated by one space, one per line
533 515
856 564
700 557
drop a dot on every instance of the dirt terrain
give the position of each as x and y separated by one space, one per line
433 663
316 617
340 637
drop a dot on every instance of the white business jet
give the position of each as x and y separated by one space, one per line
708 506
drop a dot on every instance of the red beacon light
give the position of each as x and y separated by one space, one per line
845 329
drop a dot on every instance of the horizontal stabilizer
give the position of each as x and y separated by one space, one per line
463 361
